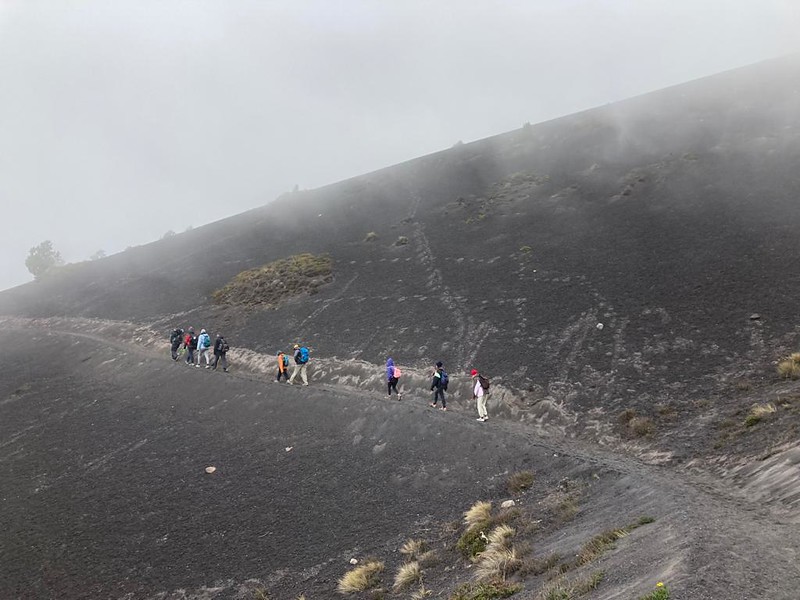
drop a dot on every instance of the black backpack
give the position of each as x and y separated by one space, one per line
484 383
177 336
224 347
445 380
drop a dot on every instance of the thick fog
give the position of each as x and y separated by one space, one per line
120 121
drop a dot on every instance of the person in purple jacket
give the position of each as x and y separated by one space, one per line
392 376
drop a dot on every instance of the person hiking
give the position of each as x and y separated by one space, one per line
203 345
480 392
283 367
300 364
190 343
175 341
220 350
392 377
439 384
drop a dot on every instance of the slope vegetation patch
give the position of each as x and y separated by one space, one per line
277 282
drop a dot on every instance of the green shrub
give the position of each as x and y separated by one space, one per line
276 282
485 591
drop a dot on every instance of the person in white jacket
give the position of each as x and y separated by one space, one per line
480 392
203 347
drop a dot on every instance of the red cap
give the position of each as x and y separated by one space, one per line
473 373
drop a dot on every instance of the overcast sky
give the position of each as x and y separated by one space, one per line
123 119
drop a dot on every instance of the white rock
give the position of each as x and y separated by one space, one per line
600 326
353 561
210 470
289 448
508 504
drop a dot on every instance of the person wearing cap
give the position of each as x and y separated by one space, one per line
203 345
283 367
480 394
190 343
300 364
438 386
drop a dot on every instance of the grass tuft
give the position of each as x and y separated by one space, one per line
413 548
537 566
485 591
421 593
641 426
371 237
522 480
789 367
480 512
407 575
758 412
361 578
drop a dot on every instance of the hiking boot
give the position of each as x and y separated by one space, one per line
443 408
432 405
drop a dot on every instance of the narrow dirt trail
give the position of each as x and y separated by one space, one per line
716 544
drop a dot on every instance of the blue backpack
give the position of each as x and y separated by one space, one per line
445 380
303 355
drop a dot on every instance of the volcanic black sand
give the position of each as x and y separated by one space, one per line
626 276
105 492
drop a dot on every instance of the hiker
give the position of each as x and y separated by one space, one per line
480 392
283 367
392 377
300 364
175 341
203 344
220 350
190 343
439 383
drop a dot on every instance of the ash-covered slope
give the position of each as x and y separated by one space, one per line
669 219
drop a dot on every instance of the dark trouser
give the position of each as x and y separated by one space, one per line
175 350
439 393
393 386
284 374
217 358
190 356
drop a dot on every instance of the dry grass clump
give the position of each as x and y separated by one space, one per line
361 578
758 412
599 544
478 513
485 590
499 559
408 574
520 481
642 426
278 281
412 548
401 241
421 593
371 237
566 510
564 589
789 367
428 559
537 566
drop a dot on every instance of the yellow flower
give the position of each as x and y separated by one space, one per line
660 584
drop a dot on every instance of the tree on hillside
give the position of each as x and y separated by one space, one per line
98 255
42 258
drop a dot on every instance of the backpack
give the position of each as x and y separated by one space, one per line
177 335
484 383
303 355
445 380
206 341
397 373
224 346
285 361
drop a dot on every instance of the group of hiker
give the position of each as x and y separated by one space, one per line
199 347
439 383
